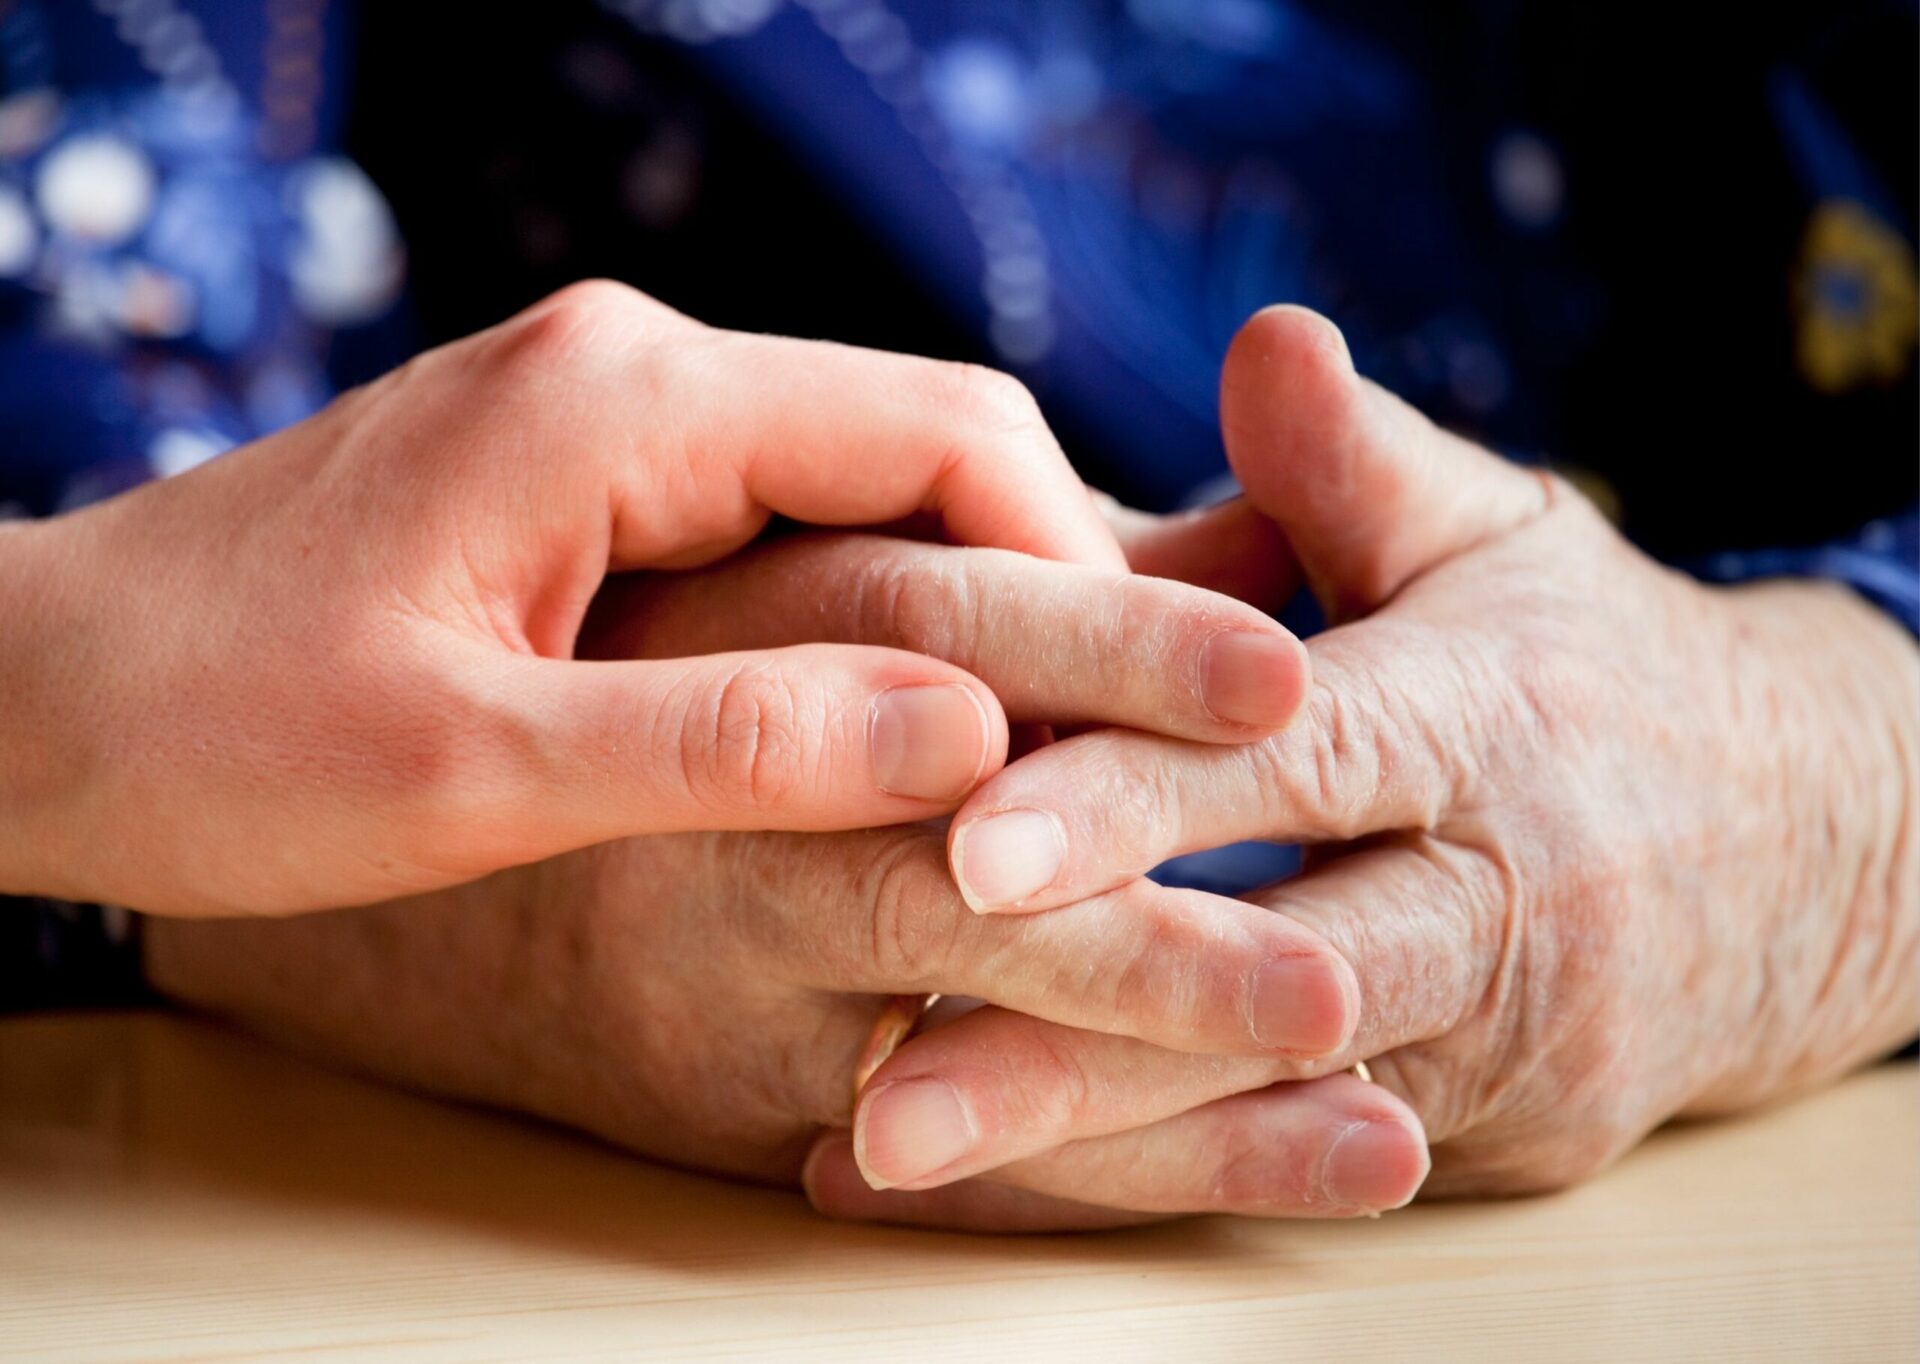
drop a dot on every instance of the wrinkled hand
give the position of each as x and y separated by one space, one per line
337 666
1604 845
703 998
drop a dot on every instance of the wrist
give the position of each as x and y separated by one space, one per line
42 730
1825 689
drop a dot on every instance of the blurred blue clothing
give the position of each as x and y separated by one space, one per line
1671 253
1098 192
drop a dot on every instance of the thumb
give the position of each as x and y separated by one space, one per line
813 737
1369 492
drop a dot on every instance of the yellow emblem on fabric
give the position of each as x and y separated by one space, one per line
1855 301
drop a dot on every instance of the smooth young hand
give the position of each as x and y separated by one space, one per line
704 998
338 666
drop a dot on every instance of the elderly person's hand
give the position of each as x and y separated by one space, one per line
1604 845
704 998
337 666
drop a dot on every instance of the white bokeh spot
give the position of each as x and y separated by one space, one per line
350 262
979 91
180 448
97 188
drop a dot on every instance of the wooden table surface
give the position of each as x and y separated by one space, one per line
170 1191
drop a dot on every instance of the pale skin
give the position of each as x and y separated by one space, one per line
1603 845
337 666
1596 846
702 998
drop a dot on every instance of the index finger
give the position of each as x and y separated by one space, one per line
840 435
1089 813
877 913
738 427
1057 643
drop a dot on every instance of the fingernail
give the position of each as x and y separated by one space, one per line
911 1129
928 743
828 1149
1300 1005
832 1180
1004 858
1374 1165
1249 678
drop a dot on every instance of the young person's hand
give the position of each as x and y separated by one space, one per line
705 998
338 666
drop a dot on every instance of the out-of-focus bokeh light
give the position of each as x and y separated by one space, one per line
97 188
349 263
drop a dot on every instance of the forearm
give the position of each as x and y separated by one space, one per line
1833 693
1872 1001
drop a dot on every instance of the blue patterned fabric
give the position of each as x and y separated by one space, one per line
1878 563
185 265
1670 252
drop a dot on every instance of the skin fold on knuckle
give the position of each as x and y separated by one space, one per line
568 333
1185 978
1322 767
1258 1172
1033 1098
1143 811
1370 740
1486 889
749 743
921 601
1153 634
988 401
913 915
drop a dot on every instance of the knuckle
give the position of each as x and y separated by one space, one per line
1160 983
1325 764
1144 807
1251 1173
919 603
1058 1089
1333 772
1353 752
1139 619
911 923
593 301
751 742
569 329
989 398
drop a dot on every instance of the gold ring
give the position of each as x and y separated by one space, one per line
1359 1071
897 1020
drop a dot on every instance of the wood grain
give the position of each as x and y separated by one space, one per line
169 1191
